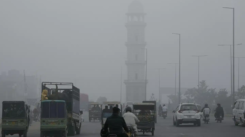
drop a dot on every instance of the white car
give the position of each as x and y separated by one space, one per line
186 113
239 112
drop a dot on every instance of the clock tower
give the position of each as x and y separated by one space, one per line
136 63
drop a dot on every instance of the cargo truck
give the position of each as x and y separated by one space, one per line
60 110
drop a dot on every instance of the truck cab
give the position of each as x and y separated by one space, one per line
53 118
60 109
15 118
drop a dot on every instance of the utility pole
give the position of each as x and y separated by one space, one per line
121 86
159 74
175 74
231 62
179 65
146 76
198 68
238 69
233 69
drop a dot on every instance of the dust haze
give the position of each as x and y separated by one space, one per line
83 41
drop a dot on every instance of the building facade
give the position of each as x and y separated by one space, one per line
136 62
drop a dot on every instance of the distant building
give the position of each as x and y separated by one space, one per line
136 64
17 86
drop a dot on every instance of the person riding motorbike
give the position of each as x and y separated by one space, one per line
115 124
131 119
205 111
164 110
219 112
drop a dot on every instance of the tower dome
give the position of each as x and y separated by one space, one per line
135 7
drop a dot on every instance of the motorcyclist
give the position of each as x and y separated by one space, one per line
219 112
116 124
131 119
206 111
164 109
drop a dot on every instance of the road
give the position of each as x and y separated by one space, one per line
165 128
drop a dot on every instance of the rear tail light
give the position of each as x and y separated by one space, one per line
197 111
180 111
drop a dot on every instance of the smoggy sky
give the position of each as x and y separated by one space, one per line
83 41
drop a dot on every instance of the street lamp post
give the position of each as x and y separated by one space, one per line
146 76
231 58
238 69
175 68
233 76
159 73
179 64
121 86
198 68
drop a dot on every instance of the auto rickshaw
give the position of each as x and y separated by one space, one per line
107 110
146 114
95 111
155 103
15 118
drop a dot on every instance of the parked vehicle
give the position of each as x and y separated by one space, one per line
239 112
60 111
186 113
15 118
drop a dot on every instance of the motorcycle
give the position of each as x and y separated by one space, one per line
219 119
131 132
206 119
164 115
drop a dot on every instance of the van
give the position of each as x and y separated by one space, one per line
239 112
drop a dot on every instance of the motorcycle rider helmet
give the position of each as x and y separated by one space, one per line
128 109
206 105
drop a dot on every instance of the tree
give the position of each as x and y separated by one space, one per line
241 92
101 100
223 99
201 95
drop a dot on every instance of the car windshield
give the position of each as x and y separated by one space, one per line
13 110
188 107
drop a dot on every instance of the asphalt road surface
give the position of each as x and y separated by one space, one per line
165 128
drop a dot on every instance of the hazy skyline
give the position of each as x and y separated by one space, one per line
83 41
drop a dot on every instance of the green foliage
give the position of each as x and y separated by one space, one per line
200 95
203 95
241 92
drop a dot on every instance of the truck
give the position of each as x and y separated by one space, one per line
60 110
15 118
84 101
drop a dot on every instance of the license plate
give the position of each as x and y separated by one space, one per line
13 123
52 123
188 116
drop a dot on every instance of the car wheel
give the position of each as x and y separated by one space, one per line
199 123
177 123
236 123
